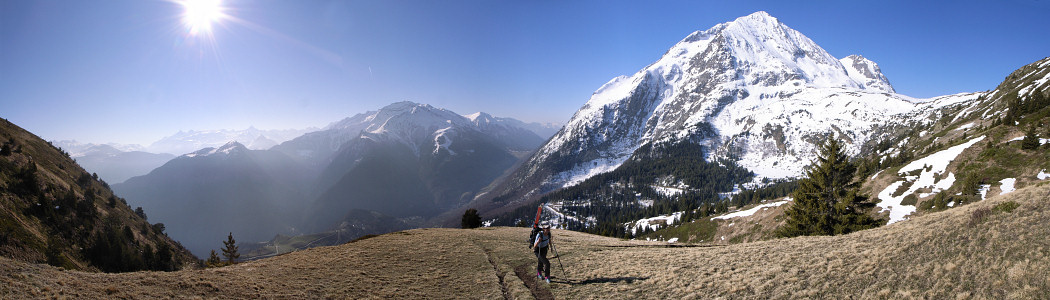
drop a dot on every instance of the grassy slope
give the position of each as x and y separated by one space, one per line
938 255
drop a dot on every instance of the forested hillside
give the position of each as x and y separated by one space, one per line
54 212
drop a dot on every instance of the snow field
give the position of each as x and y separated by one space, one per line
930 166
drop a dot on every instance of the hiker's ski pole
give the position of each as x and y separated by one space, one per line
556 254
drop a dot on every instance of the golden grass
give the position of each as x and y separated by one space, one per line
1006 255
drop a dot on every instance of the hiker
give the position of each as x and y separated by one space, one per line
539 247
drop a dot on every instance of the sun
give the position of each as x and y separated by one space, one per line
199 15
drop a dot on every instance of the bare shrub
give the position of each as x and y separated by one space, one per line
979 215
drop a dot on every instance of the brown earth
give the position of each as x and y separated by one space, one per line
973 251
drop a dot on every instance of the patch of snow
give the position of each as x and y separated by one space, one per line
893 204
443 139
1042 175
937 164
653 223
672 240
951 204
984 190
668 191
939 161
749 212
964 127
1007 185
588 169
1020 138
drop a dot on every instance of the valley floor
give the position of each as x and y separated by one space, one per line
993 253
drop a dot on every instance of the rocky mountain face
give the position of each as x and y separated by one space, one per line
53 211
753 91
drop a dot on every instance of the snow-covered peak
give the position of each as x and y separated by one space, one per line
188 141
867 72
480 117
752 89
405 117
232 147
764 48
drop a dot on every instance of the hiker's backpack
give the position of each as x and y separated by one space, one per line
532 236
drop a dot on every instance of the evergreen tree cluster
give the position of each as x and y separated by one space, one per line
827 201
1019 106
73 225
774 190
115 249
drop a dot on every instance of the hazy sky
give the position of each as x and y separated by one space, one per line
129 71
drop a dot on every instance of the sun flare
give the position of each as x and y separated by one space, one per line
199 15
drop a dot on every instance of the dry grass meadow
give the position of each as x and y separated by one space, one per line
971 252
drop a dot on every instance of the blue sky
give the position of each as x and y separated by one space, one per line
126 71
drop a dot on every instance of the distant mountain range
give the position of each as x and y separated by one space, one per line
406 161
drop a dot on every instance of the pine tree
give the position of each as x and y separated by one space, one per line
229 250
213 260
471 219
827 201
1031 140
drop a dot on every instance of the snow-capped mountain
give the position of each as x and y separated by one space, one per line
512 132
866 72
78 149
230 148
752 90
407 122
188 141
113 162
543 130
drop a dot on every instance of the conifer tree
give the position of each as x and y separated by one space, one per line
471 219
827 201
229 249
1031 140
213 260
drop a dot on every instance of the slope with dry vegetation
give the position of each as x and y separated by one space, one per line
998 248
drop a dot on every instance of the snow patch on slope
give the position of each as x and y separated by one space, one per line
1007 185
749 212
930 167
653 223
